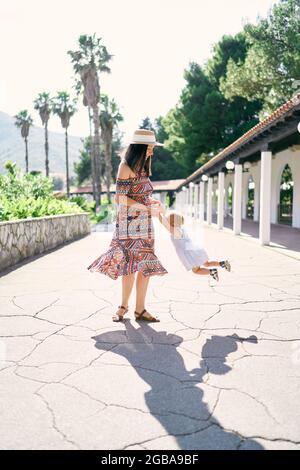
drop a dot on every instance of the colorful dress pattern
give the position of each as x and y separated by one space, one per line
132 245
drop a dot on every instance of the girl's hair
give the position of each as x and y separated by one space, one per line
175 219
135 157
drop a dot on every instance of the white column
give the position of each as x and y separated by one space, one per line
201 201
181 201
296 199
178 201
265 198
225 201
191 199
192 189
209 201
221 181
196 201
184 201
187 200
245 190
212 200
256 201
237 199
188 197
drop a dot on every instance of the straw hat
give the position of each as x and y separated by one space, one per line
145 136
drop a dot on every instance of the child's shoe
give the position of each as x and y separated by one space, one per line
214 274
226 265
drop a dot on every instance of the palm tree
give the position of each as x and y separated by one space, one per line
92 157
43 104
109 117
24 121
90 59
65 108
78 87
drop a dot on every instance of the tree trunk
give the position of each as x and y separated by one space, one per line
97 162
67 162
46 149
92 155
108 166
26 154
93 168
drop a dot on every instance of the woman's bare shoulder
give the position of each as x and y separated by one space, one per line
124 171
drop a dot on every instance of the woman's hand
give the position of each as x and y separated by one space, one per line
156 209
152 200
155 203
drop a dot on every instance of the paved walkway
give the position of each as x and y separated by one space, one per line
220 371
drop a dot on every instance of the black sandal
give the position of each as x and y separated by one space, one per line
117 317
226 265
141 317
214 274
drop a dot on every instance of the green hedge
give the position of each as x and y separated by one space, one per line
30 195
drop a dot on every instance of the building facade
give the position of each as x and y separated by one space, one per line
257 178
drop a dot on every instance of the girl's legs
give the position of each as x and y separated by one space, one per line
210 264
222 264
205 272
127 285
201 271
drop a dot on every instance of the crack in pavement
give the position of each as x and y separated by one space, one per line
229 389
27 315
253 437
54 424
12 300
45 308
167 435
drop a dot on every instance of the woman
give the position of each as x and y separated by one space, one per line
131 250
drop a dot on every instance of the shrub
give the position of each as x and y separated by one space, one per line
30 195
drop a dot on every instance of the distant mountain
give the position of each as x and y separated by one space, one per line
12 147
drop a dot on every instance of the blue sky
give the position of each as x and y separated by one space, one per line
152 43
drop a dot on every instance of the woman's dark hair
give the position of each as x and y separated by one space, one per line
135 157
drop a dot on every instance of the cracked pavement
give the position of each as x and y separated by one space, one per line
220 371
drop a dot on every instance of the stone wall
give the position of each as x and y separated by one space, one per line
20 239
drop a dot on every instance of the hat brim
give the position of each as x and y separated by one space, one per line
156 144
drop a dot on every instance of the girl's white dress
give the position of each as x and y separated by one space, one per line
190 253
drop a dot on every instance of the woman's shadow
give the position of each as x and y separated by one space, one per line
174 398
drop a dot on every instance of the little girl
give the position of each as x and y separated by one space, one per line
190 254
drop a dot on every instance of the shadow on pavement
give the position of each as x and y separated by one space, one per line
174 398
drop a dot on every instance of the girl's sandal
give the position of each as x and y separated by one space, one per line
141 317
214 274
117 317
226 265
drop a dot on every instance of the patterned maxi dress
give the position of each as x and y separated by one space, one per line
132 245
